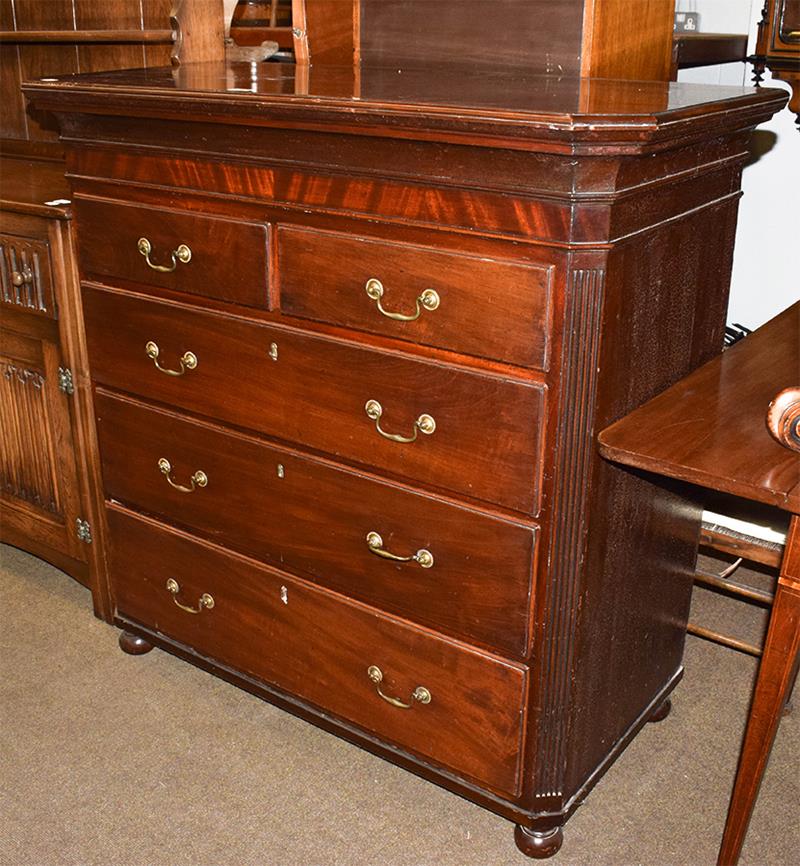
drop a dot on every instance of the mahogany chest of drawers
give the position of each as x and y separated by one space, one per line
351 337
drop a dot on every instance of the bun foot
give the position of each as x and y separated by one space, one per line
133 644
662 712
538 844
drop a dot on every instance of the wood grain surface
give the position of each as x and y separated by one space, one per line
318 645
312 518
710 429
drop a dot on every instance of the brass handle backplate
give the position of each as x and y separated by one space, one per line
428 300
424 558
205 601
188 360
424 424
420 693
199 479
179 254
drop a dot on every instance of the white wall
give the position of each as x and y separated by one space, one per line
229 5
766 276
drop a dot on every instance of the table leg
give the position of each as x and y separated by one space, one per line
775 677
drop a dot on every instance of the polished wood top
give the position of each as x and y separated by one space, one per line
435 101
710 428
26 185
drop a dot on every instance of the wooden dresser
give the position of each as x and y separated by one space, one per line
778 46
42 357
351 333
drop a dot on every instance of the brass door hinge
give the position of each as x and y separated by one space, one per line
65 381
83 531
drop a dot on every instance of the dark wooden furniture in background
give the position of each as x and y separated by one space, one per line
690 50
778 46
713 430
352 330
58 38
258 21
47 500
591 38
41 359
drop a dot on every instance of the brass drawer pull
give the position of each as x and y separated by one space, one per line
188 360
205 600
181 254
429 299
424 424
424 558
199 479
420 693
24 277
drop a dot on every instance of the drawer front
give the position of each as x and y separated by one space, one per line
226 259
317 391
469 304
473 577
26 278
319 646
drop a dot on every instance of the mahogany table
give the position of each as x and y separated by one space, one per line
713 429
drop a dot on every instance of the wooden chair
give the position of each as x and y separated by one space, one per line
747 533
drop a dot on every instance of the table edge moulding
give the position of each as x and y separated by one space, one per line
388 412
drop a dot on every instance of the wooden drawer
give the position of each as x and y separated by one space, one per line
228 257
26 279
466 303
317 645
487 438
313 518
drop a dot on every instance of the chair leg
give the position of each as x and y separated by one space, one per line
776 674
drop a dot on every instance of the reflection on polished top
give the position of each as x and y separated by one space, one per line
441 98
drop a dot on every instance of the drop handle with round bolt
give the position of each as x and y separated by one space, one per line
423 558
199 479
428 300
420 693
181 253
424 424
204 602
188 360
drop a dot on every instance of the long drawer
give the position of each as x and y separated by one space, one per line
466 572
466 708
468 303
187 252
476 434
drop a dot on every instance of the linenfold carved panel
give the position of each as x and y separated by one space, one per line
27 464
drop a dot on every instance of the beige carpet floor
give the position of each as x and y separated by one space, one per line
111 760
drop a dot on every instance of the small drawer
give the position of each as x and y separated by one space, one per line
466 708
440 425
26 278
179 250
469 304
464 572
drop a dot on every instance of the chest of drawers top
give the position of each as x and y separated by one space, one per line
500 104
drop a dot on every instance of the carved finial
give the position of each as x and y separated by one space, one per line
783 418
